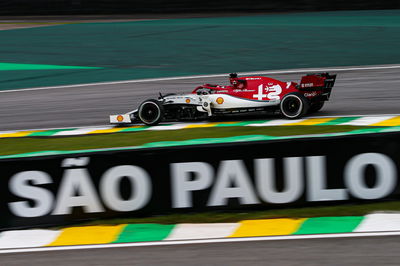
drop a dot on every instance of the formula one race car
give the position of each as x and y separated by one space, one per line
253 94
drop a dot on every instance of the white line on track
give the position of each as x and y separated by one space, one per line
203 241
210 76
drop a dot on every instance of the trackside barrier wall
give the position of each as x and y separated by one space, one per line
61 189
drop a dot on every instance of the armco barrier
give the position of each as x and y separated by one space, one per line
62 189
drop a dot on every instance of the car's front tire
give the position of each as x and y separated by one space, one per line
151 112
294 105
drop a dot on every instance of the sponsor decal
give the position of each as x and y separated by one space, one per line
120 118
243 90
310 94
307 85
220 100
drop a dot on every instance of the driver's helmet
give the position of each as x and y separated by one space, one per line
233 78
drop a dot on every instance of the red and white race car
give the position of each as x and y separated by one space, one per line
244 95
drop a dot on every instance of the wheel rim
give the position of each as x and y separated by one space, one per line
150 112
292 106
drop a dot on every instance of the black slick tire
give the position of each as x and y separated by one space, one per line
294 105
151 112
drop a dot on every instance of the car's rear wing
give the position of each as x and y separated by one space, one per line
317 82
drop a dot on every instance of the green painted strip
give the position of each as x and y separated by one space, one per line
242 123
39 153
134 129
144 232
329 225
390 129
339 121
209 141
368 130
14 66
48 132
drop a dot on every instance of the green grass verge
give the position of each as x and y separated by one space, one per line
10 146
230 217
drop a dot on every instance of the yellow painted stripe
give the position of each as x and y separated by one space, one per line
86 235
269 227
395 121
17 134
111 130
201 125
312 121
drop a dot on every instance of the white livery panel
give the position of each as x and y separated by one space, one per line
225 101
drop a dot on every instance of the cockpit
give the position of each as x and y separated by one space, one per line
237 82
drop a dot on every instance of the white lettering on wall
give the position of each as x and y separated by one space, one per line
43 199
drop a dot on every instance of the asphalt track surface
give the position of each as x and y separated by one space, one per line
337 251
364 92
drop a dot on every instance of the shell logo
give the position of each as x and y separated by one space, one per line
187 100
220 100
120 118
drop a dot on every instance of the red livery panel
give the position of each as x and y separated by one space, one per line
265 89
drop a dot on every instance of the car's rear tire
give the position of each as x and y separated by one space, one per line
294 105
151 112
316 106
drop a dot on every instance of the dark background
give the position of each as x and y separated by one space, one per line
107 7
